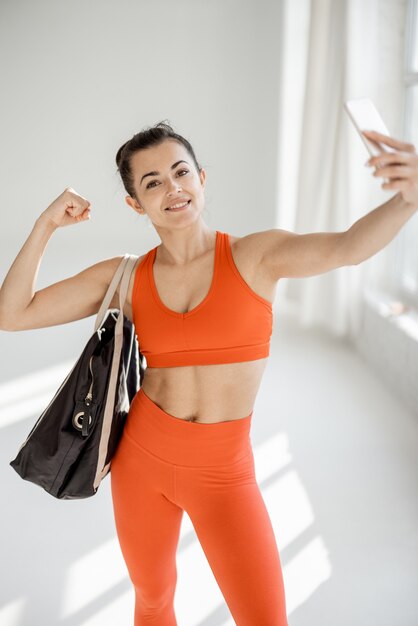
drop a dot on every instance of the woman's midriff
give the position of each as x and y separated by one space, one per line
205 393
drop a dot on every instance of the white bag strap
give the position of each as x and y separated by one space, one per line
126 265
124 270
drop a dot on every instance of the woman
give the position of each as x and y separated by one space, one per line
202 305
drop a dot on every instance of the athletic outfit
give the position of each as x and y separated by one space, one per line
165 465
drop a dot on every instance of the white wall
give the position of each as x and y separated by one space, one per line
79 79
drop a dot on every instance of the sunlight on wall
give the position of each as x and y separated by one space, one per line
28 395
291 515
305 573
11 613
271 456
102 567
288 505
118 608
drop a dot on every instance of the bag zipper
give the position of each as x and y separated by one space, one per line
87 419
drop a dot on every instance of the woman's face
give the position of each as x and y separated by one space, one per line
158 184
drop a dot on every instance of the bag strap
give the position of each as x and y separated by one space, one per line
125 267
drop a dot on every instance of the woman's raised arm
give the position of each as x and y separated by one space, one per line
23 308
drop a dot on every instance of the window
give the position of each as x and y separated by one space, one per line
406 265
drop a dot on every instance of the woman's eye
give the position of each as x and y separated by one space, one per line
154 181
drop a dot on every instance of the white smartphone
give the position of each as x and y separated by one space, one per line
365 116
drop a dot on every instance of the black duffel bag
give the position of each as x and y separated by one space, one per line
69 449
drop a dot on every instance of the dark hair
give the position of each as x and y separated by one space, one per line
151 136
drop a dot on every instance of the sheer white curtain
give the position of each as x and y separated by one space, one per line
334 51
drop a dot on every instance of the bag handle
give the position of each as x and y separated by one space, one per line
125 270
125 267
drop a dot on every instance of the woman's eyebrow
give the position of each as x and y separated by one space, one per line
157 173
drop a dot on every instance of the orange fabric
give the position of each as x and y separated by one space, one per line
163 466
231 324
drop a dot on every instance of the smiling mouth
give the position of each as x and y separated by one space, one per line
179 208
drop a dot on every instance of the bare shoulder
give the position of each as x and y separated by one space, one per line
109 269
248 253
252 245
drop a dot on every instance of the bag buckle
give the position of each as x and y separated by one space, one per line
83 417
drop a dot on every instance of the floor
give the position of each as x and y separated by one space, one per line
337 463
345 504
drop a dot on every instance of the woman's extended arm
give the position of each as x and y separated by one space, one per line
290 255
21 307
376 229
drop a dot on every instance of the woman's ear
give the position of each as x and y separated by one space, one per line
202 176
134 204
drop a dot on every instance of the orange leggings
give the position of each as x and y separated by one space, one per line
165 465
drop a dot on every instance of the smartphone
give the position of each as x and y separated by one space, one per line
365 116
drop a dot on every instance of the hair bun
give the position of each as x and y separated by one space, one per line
119 152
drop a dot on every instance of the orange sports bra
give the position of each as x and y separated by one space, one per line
232 323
